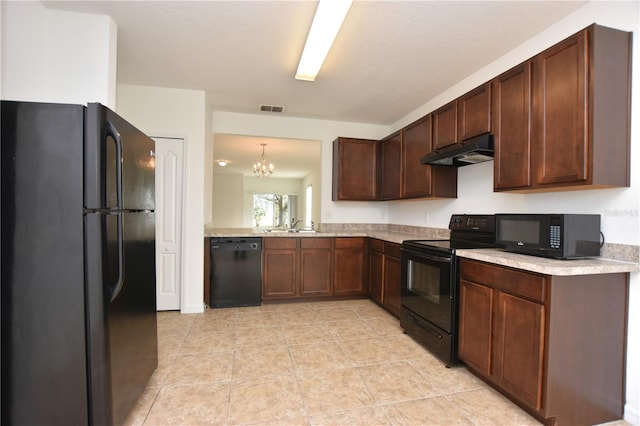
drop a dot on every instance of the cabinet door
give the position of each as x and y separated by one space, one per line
561 112
474 340
445 129
390 162
315 267
348 266
519 345
279 277
474 112
354 169
392 284
511 128
376 260
416 142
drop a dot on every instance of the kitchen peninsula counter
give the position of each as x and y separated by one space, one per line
386 235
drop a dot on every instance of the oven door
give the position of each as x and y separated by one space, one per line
428 286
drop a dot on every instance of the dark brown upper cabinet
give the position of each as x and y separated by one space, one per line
390 163
354 169
562 120
419 180
462 118
582 110
474 112
445 129
512 103
416 177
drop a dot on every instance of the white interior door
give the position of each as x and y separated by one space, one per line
169 178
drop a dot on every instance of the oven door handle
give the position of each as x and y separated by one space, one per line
430 256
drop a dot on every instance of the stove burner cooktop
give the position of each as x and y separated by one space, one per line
467 232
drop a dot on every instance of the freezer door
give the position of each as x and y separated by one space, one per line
113 146
43 330
123 335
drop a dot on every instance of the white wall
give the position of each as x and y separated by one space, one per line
326 132
228 200
57 56
178 113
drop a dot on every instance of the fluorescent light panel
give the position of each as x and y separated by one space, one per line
326 24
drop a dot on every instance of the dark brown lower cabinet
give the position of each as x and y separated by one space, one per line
392 277
312 267
553 344
279 268
376 262
385 274
315 267
349 266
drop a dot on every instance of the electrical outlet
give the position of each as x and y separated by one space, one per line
426 217
326 214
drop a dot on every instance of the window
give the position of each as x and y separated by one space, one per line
274 210
308 204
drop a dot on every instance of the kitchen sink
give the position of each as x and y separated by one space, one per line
290 231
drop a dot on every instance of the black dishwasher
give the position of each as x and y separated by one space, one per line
236 271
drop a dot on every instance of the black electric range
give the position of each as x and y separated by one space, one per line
429 297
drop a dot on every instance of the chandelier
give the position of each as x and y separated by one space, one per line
260 168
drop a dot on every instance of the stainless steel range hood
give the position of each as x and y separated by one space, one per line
470 151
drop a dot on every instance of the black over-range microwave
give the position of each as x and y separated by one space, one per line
560 236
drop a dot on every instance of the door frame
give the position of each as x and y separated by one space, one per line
185 148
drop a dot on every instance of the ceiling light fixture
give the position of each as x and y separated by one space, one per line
261 169
325 26
222 163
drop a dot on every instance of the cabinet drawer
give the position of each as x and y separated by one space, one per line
279 243
376 245
524 284
349 242
315 242
392 250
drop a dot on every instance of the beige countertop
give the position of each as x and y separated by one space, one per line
496 256
546 266
391 236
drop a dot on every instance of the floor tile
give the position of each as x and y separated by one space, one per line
394 382
190 405
199 368
318 356
488 407
261 362
360 416
319 363
260 400
333 390
368 351
299 334
211 341
428 411
260 337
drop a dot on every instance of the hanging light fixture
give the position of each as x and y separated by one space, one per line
260 168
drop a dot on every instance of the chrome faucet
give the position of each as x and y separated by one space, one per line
294 223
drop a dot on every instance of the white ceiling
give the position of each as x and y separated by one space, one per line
389 58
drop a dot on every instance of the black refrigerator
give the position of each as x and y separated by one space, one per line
79 338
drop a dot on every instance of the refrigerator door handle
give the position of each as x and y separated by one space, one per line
117 286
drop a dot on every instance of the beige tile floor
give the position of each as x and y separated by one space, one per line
324 363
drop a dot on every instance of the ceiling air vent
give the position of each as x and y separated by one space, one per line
271 108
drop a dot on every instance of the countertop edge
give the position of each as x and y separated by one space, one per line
590 266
